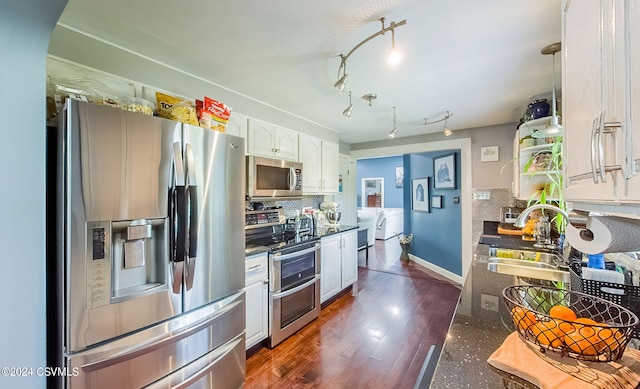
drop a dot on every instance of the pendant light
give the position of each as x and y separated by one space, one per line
554 128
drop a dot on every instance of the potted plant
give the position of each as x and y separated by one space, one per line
549 192
527 141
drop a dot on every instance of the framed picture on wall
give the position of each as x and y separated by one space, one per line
420 194
399 176
436 201
444 172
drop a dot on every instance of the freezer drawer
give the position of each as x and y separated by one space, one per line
223 367
167 350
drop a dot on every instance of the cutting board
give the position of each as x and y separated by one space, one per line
509 229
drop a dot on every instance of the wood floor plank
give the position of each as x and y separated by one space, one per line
377 339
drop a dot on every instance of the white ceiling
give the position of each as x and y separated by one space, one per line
479 60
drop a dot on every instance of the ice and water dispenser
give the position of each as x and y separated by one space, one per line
126 259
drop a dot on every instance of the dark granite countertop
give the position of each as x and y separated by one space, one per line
479 326
320 233
491 237
327 231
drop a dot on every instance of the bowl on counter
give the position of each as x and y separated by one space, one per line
570 323
333 217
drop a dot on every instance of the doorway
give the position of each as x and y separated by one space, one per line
465 200
373 192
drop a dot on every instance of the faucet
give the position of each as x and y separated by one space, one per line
577 219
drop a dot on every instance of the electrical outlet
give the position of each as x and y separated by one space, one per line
489 302
482 195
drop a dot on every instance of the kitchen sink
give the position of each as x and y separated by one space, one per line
543 266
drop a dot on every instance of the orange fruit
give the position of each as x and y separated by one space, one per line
562 312
584 340
565 326
523 318
548 333
584 321
610 339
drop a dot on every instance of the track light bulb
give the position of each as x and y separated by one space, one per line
393 58
341 83
447 131
347 112
392 134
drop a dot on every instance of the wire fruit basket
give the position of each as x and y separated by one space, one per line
573 324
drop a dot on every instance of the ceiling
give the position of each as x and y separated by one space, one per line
479 60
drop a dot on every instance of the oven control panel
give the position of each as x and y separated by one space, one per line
263 218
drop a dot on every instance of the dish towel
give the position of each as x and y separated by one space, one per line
550 370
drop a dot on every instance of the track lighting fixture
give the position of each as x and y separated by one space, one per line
342 82
393 56
370 97
447 131
393 132
347 112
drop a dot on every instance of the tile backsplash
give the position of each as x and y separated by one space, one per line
290 206
490 209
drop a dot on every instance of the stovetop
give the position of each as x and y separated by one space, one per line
276 238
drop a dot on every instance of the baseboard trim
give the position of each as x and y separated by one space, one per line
437 269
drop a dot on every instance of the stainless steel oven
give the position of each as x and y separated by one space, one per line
294 289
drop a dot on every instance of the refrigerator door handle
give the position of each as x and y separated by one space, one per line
179 222
128 354
192 193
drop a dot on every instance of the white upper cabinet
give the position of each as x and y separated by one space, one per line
320 162
330 167
237 126
601 97
268 140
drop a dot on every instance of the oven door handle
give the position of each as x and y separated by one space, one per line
296 289
279 257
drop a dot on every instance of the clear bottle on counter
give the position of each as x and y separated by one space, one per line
542 232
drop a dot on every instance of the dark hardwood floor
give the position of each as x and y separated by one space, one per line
377 339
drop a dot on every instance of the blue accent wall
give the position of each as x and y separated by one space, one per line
437 234
386 168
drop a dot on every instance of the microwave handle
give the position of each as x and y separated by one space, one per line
292 179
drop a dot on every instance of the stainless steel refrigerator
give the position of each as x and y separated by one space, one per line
146 268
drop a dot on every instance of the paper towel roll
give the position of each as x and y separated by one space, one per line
611 234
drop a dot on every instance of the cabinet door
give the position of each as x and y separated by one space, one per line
286 144
631 192
260 138
311 158
349 258
330 167
237 126
583 98
257 305
330 267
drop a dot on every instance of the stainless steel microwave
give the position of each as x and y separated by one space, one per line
273 178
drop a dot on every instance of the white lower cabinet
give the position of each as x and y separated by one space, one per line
339 263
256 299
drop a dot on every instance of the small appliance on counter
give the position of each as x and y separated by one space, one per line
508 215
331 212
